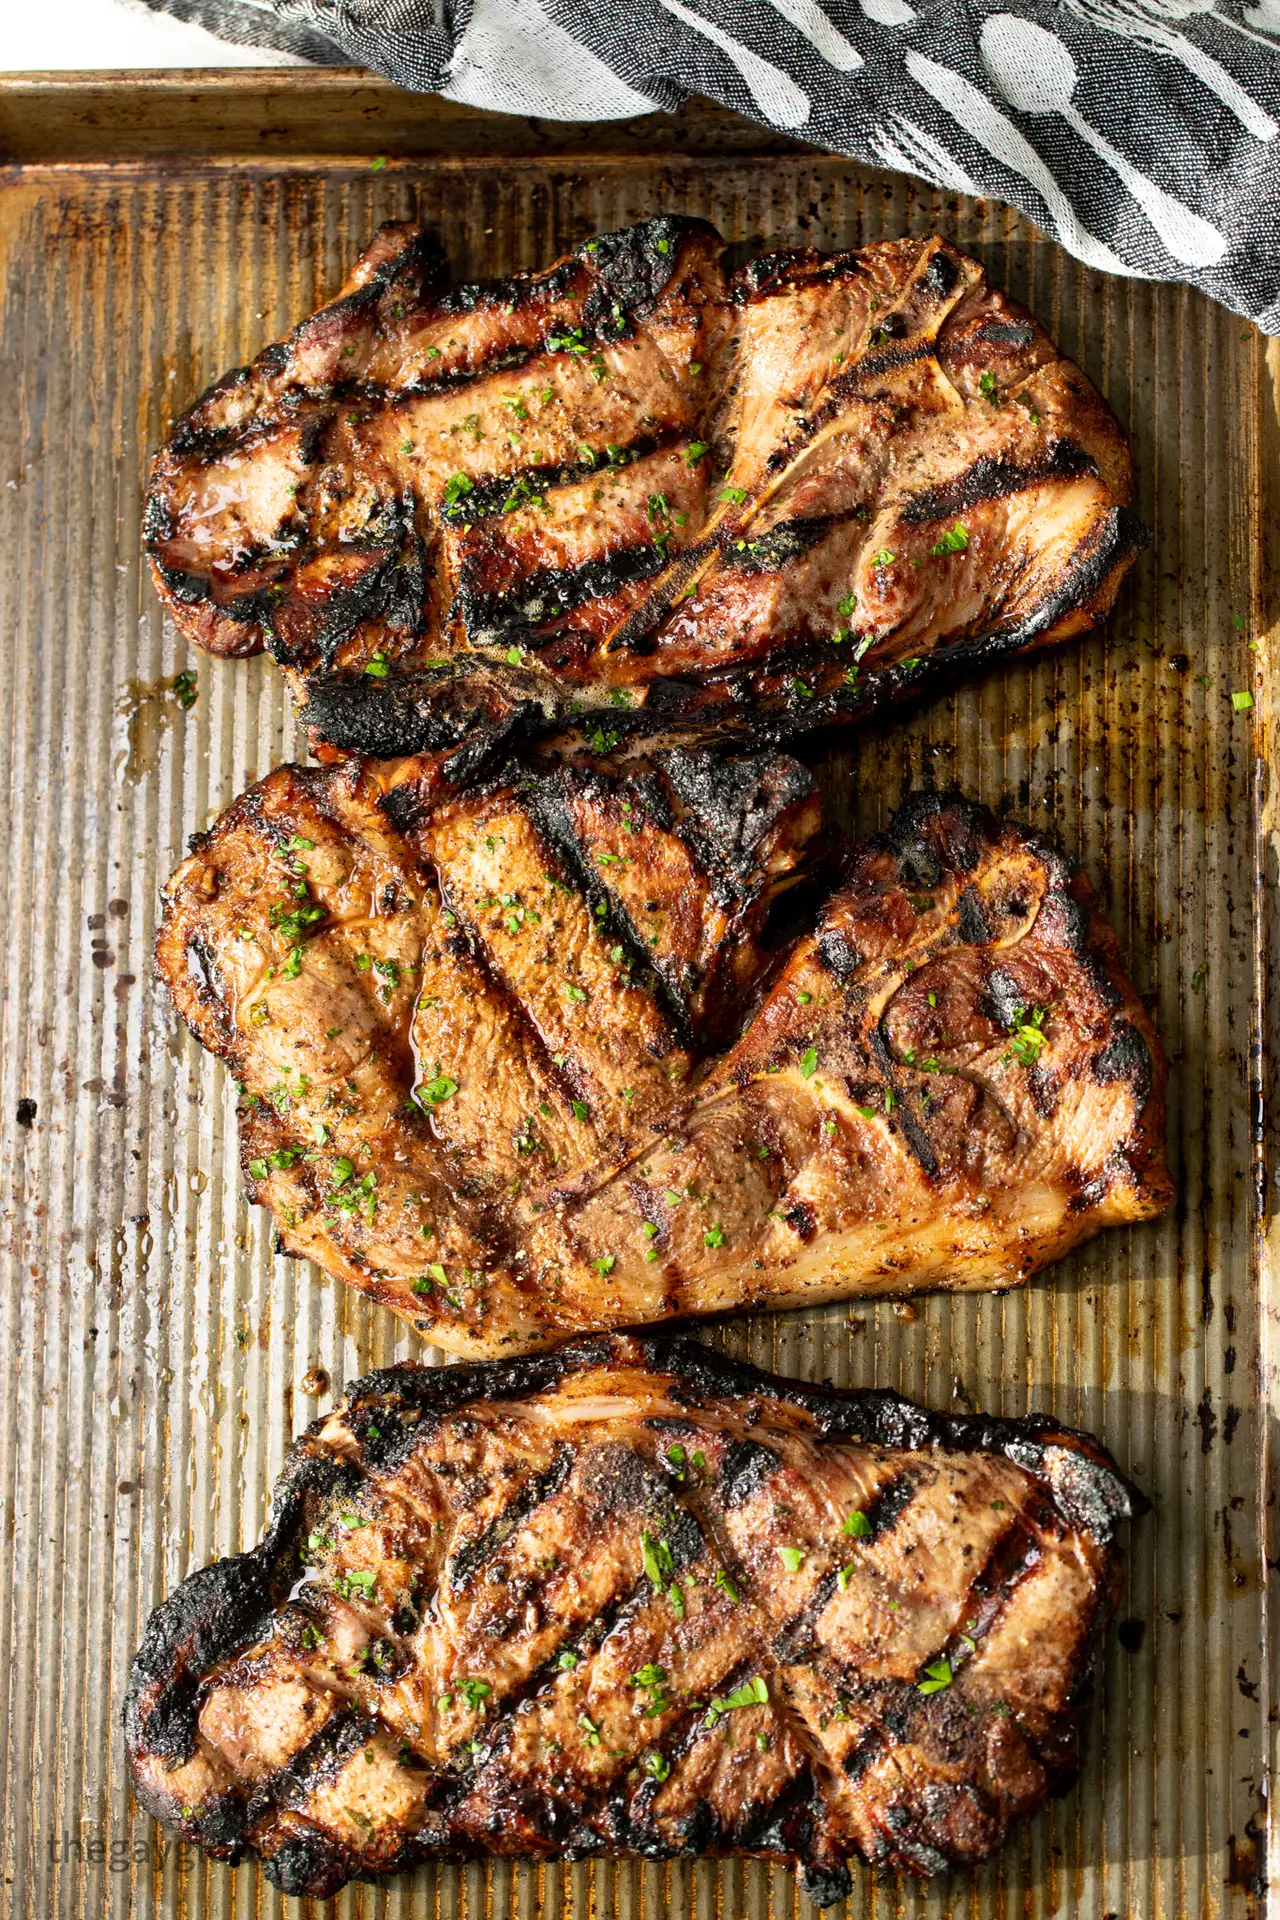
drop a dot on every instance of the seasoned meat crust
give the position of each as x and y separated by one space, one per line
626 495
518 1062
631 1597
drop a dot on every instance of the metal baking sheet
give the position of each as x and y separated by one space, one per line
154 1350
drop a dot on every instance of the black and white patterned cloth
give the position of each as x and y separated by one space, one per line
1144 134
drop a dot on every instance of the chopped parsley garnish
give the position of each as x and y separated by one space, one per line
713 1237
858 1525
954 542
576 993
727 1587
580 1110
792 1558
657 1766
695 451
432 1092
843 1578
377 667
184 688
358 1582
293 923
808 1063
568 1660
589 1730
605 1264
987 384
938 1675
342 1172
475 1693
1028 1036
884 558
735 495
1242 701
752 1693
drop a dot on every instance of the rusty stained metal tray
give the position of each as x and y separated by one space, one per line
153 1348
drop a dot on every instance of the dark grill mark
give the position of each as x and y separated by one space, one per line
838 956
503 493
1126 1057
780 547
550 812
745 1468
889 1504
466 1562
972 924
994 478
317 1765
546 595
797 1641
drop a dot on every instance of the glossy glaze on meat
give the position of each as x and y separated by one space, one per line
631 1597
516 1062
626 497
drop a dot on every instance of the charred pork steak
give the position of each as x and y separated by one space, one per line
632 1597
517 1061
629 497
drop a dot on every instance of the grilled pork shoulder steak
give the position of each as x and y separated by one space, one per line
627 497
517 1062
631 1597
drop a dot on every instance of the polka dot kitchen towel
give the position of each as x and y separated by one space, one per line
1144 134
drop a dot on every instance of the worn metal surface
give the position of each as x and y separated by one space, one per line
154 1351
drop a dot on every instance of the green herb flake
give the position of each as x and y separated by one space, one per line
938 1675
580 1110
184 689
858 1526
1242 702
657 1766
1028 1036
713 1237
808 1063
433 1092
792 1558
953 542
752 1693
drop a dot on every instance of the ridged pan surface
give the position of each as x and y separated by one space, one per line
157 1358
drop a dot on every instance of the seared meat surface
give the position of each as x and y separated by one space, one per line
626 497
630 1597
517 1062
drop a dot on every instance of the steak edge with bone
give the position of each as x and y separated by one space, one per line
626 498
518 1061
634 1597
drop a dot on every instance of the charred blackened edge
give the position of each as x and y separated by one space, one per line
730 805
935 834
422 250
874 1416
205 1621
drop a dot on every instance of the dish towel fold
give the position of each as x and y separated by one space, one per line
1143 134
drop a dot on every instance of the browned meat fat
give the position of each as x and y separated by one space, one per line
626 497
519 1063
632 1597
